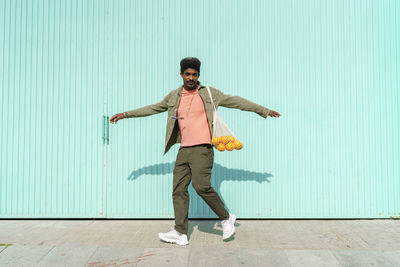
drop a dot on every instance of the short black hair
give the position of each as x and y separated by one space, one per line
190 62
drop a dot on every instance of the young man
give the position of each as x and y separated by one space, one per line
190 123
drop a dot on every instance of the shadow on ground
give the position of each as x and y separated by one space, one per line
208 226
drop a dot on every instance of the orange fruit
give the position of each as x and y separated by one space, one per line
230 146
221 147
216 140
231 138
238 145
224 139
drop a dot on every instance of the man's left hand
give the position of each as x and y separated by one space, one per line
273 113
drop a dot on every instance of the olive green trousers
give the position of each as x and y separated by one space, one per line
194 163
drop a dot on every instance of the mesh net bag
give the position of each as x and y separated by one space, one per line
222 137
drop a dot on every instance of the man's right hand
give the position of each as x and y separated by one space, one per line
117 117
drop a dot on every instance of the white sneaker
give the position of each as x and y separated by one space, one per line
228 226
174 236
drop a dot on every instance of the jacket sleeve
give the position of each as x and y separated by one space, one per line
241 103
149 109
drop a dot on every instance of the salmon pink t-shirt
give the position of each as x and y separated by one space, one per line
194 124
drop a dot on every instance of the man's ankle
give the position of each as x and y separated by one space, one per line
180 231
224 219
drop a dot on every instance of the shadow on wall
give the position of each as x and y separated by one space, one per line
219 174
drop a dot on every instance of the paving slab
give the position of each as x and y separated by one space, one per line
200 257
68 256
259 257
306 258
115 256
166 257
362 258
23 255
392 256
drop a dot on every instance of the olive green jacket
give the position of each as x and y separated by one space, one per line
171 102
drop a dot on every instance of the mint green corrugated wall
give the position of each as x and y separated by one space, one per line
331 68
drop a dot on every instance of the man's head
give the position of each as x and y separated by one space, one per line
190 72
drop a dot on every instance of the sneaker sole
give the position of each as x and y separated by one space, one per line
233 228
173 241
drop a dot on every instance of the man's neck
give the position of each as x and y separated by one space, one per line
190 89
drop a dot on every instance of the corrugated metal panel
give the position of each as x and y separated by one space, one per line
330 68
52 83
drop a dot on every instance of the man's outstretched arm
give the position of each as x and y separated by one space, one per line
143 111
148 110
241 103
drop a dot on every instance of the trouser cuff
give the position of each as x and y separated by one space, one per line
180 230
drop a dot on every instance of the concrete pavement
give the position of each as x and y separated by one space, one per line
256 243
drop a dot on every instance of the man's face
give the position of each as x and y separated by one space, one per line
190 77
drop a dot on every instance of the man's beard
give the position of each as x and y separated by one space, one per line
191 85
